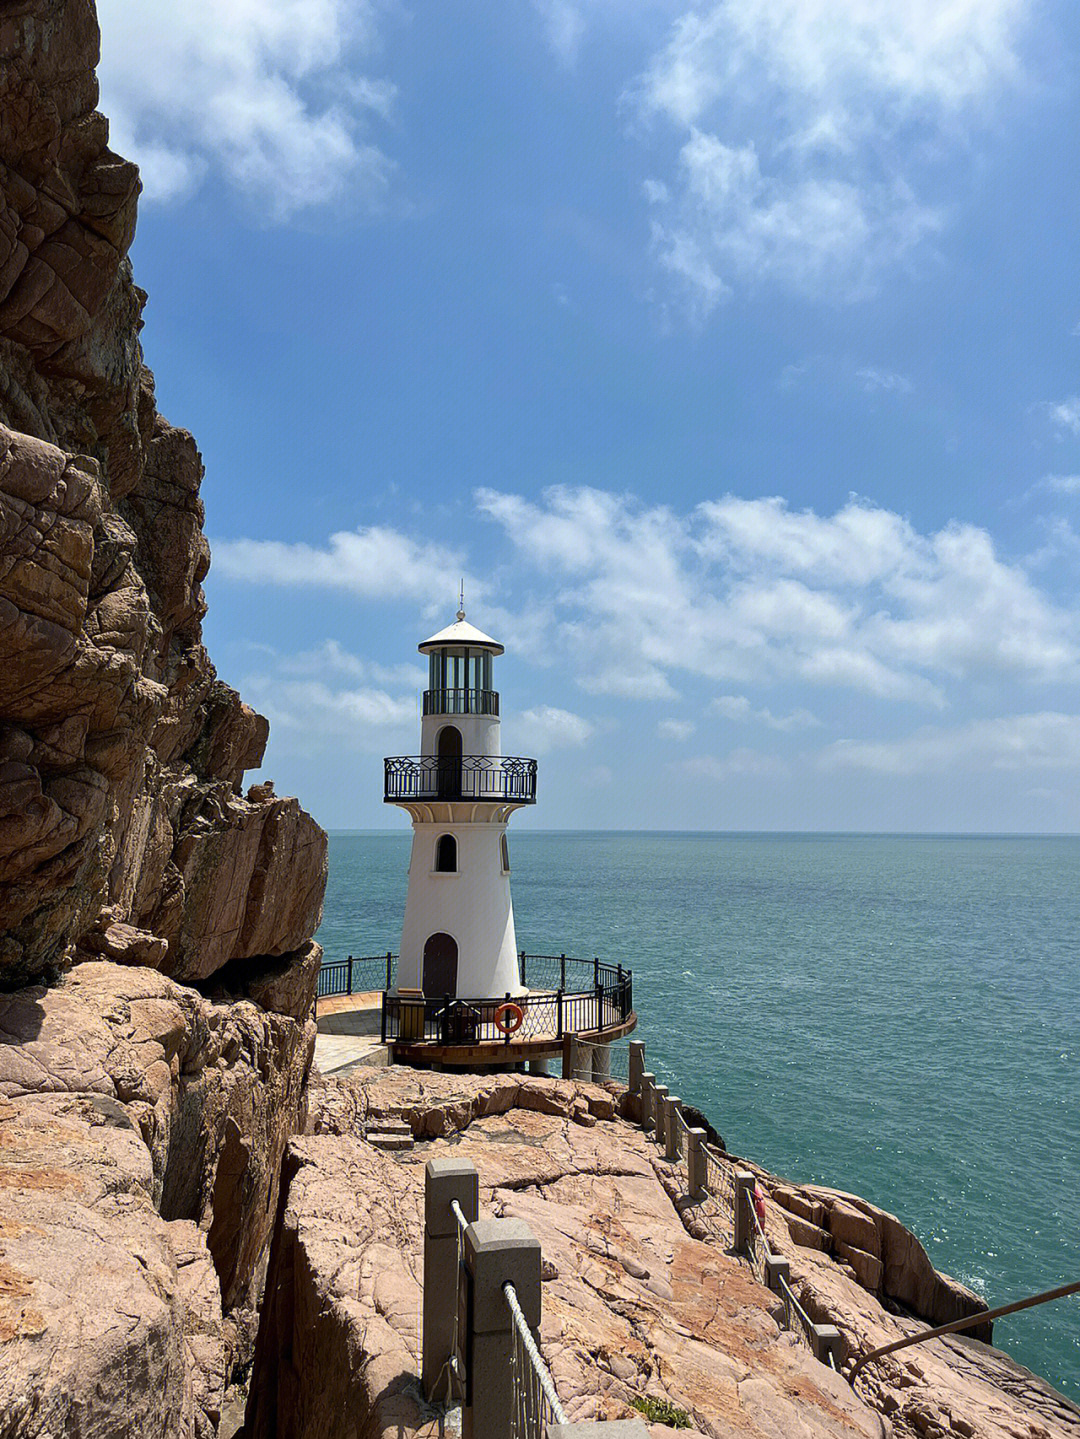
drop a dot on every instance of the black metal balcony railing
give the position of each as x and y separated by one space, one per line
584 1008
461 702
474 776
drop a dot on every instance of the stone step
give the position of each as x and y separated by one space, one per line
383 1125
382 1140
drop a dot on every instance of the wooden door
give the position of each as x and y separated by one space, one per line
440 965
449 757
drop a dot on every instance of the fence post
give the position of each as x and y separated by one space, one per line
695 1165
601 1063
648 1100
776 1269
349 979
660 1113
637 1064
389 970
444 1180
569 1056
558 998
382 1020
672 1133
744 1188
523 966
497 1251
506 1000
562 971
826 1340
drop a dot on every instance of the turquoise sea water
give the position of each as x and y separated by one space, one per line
898 1016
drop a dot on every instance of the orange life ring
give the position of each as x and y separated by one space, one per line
517 1014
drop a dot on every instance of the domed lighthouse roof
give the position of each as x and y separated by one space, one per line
460 634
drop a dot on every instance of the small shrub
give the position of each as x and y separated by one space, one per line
661 1411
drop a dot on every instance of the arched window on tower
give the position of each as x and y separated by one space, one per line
505 855
446 854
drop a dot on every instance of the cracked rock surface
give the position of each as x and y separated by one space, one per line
123 828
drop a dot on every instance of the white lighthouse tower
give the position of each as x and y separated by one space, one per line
458 936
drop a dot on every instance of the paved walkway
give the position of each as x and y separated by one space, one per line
349 1033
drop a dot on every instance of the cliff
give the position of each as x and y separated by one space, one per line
642 1294
143 1120
123 831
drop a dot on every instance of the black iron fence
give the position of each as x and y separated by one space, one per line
461 702
473 776
357 975
442 1019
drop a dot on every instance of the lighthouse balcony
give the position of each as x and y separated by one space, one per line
501 778
461 702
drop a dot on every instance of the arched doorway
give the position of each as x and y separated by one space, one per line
440 965
449 757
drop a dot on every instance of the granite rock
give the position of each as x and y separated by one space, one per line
123 830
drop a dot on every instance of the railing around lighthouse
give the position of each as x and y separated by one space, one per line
584 1008
473 777
461 702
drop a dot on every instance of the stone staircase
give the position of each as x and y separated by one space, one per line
389 1133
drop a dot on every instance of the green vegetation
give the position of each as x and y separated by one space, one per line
661 1411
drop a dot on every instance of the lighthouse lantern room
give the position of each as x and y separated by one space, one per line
458 936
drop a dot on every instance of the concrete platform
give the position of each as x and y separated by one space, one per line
348 1036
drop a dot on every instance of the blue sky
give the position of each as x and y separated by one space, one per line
731 352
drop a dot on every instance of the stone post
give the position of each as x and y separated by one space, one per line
776 1269
444 1181
497 1251
637 1065
826 1339
672 1131
648 1101
696 1162
601 1063
660 1113
744 1188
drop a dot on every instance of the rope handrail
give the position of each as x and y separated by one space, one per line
455 1210
530 1419
806 1324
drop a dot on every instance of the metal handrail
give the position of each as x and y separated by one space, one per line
983 1317
509 778
528 1408
461 702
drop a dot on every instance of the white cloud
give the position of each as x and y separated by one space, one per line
564 27
1016 743
751 591
739 708
373 563
679 730
740 762
875 381
1060 484
803 123
330 657
1064 414
545 728
266 96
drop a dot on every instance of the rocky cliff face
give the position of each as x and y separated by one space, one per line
123 830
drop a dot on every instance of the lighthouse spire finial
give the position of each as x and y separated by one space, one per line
461 600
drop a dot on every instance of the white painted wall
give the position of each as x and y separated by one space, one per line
473 906
479 733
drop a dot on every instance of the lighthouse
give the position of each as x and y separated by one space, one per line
458 935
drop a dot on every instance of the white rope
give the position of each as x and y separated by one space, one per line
536 1359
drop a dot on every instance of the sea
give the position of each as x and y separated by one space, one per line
893 1015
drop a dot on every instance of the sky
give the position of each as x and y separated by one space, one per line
729 352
